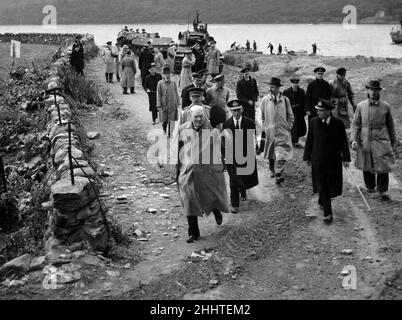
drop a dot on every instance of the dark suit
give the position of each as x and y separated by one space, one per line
316 89
245 91
326 147
297 100
240 183
151 82
144 63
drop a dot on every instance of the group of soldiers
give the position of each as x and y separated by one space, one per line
208 115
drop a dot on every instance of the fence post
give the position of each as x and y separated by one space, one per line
70 160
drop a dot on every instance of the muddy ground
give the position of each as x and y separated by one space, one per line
277 247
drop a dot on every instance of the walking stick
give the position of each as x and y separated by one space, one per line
361 194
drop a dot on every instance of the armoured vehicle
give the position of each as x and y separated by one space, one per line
396 34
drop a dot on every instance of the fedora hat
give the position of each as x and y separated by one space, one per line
374 84
275 82
324 104
341 71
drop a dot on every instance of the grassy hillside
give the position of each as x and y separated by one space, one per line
176 11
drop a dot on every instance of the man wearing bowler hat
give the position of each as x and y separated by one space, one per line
167 98
374 139
297 97
316 90
247 92
326 150
277 122
341 92
241 162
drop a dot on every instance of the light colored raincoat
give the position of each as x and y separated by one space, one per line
202 186
277 122
186 77
110 64
373 130
167 100
129 70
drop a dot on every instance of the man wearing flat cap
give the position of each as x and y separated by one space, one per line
247 92
277 122
374 139
196 97
326 150
218 94
151 82
108 58
239 154
297 98
316 90
341 92
167 99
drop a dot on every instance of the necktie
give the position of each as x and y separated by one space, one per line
275 101
237 124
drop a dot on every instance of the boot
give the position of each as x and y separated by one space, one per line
110 77
107 77
132 90
124 90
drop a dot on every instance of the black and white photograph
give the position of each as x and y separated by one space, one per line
202 155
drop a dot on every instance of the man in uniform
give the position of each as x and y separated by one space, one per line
144 63
277 121
185 94
297 98
243 156
218 95
247 92
316 90
341 92
199 55
196 95
326 150
151 82
374 139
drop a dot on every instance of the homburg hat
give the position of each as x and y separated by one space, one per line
374 84
275 82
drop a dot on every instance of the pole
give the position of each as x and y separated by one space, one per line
361 194
70 160
57 106
3 175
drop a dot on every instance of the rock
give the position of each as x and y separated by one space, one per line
164 195
93 135
161 248
345 272
76 246
68 197
78 254
105 173
127 266
48 205
213 282
347 251
113 273
13 283
142 239
165 234
122 197
92 261
18 266
37 263
152 210
175 236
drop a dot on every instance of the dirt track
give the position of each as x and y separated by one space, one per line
277 247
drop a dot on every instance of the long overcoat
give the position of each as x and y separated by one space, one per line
373 129
246 149
144 63
297 100
186 75
110 65
151 82
202 187
277 122
326 147
316 90
168 100
213 59
129 70
245 91
341 93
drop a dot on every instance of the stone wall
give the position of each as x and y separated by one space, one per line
37 38
75 215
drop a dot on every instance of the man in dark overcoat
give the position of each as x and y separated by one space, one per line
151 82
247 92
297 98
242 167
77 56
144 63
316 90
326 150
199 55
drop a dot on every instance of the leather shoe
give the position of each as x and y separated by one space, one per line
384 195
218 216
234 210
273 174
328 219
244 198
279 179
190 239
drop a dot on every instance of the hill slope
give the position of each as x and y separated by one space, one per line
177 11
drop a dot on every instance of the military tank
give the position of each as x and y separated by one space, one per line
187 39
396 34
136 40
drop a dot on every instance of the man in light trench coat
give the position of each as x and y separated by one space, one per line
200 178
277 118
374 139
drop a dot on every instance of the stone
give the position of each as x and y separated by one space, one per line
127 266
213 282
93 135
143 239
62 153
152 210
165 234
345 272
78 254
121 197
68 197
48 205
18 266
37 263
164 195
347 251
92 261
33 163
